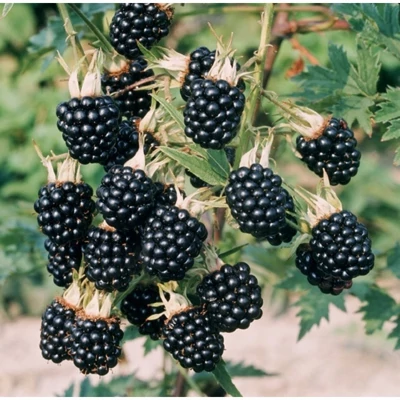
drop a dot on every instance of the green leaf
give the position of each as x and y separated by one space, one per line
196 165
395 334
150 345
232 251
219 162
92 9
314 306
380 308
224 379
393 260
130 333
69 392
294 281
6 9
241 370
171 110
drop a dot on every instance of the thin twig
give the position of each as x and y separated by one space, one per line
135 85
179 389
303 51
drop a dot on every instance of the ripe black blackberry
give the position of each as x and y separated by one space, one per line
89 127
171 239
136 307
111 258
62 260
65 210
334 150
146 23
308 267
231 296
340 246
128 143
193 340
213 112
257 201
166 195
125 197
55 332
96 343
132 103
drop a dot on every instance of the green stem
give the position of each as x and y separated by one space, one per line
102 38
69 29
191 382
224 379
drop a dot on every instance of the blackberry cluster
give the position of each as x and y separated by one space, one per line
89 127
132 103
165 195
112 258
136 307
193 340
170 241
341 248
65 211
62 260
232 297
55 332
258 202
213 112
146 23
96 344
125 197
334 151
128 143
308 267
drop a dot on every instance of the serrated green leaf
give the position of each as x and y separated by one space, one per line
380 308
241 370
393 260
395 333
314 306
219 162
360 290
198 166
171 110
224 379
130 333
390 108
6 9
150 345
294 281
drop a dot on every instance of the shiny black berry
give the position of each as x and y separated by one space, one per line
334 151
96 344
257 200
89 127
111 258
166 195
136 307
146 23
133 102
193 340
62 261
308 267
55 332
341 247
213 112
125 197
232 297
128 143
171 239
65 211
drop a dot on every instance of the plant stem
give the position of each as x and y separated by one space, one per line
69 29
103 40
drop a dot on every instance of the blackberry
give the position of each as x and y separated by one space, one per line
340 246
111 258
128 143
308 267
146 23
257 201
166 195
213 112
170 241
65 211
89 127
200 63
136 307
55 332
62 260
333 151
125 197
134 102
193 340
198 183
96 344
232 297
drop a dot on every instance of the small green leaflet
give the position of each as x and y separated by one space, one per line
314 307
390 113
196 165
380 308
150 345
241 370
232 251
130 333
393 260
171 110
224 379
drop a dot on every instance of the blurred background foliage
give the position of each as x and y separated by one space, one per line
32 84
